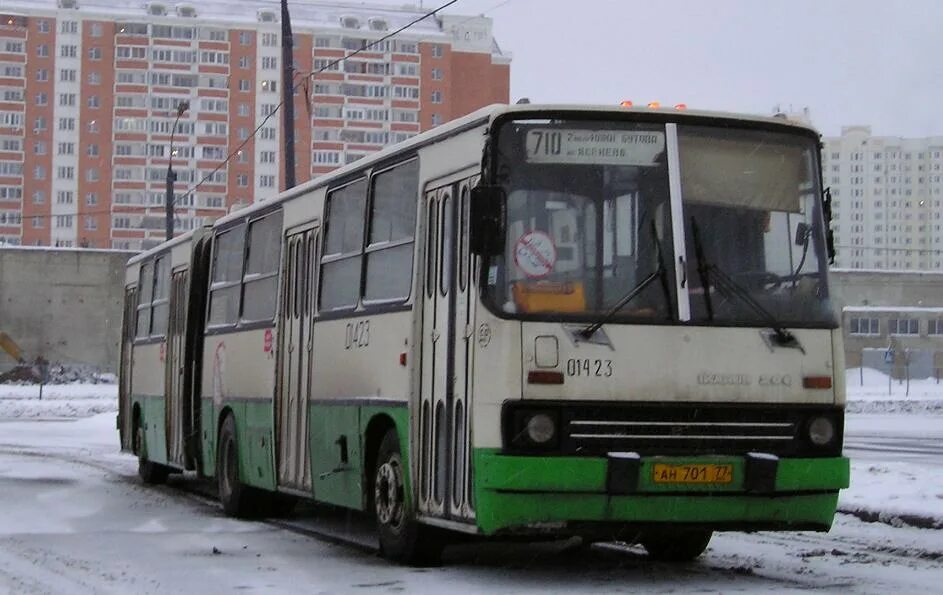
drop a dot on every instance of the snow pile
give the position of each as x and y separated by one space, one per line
57 374
868 392
895 493
57 401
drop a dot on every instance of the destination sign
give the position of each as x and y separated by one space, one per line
598 147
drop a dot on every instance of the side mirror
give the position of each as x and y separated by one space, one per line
486 219
803 230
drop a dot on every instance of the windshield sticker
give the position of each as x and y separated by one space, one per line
535 254
594 147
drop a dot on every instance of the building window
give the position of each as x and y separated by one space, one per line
95 54
436 97
43 26
42 75
42 51
903 326
269 39
93 102
91 199
437 51
39 147
864 326
436 119
39 197
437 74
242 180
266 181
244 85
67 51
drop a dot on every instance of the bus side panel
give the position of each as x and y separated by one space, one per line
357 363
148 395
238 376
336 460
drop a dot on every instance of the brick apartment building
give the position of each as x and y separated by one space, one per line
89 91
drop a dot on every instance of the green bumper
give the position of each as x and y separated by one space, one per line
518 493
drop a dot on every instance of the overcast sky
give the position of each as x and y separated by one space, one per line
850 61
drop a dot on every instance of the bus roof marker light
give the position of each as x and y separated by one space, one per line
654 104
625 103
681 106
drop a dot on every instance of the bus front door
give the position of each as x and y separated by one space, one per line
294 363
444 432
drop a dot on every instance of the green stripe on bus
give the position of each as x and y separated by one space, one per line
588 474
505 510
518 490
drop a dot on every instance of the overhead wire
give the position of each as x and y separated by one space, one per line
296 86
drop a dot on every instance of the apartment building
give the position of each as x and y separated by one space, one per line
887 194
90 89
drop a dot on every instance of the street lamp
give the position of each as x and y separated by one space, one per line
171 176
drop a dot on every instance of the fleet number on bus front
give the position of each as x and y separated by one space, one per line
589 367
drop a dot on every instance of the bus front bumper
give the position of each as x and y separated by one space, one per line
522 494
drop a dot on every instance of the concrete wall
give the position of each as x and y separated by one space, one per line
887 296
63 304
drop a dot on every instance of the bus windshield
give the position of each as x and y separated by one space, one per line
589 218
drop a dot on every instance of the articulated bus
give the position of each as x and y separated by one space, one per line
543 321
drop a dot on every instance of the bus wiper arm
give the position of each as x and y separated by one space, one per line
725 284
702 268
660 272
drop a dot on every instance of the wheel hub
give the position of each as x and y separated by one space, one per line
388 494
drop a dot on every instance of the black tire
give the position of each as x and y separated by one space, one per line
402 538
233 495
681 545
151 473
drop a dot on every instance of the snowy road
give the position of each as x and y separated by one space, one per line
886 438
74 519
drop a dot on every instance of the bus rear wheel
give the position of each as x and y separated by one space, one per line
402 538
676 545
151 473
233 495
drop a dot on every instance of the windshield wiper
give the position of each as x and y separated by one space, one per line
726 285
660 272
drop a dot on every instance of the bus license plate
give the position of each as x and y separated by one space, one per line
692 474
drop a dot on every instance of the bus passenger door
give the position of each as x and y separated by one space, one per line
174 363
294 363
443 431
124 372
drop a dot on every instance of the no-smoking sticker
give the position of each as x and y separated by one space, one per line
535 254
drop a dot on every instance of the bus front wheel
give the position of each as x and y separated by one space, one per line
402 538
676 545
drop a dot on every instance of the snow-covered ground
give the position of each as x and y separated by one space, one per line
71 521
892 484
58 400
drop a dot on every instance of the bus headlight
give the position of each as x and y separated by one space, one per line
821 431
540 428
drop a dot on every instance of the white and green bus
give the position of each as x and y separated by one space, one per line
535 320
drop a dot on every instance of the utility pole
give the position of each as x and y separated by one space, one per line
171 176
288 97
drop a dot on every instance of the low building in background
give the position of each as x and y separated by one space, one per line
891 321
